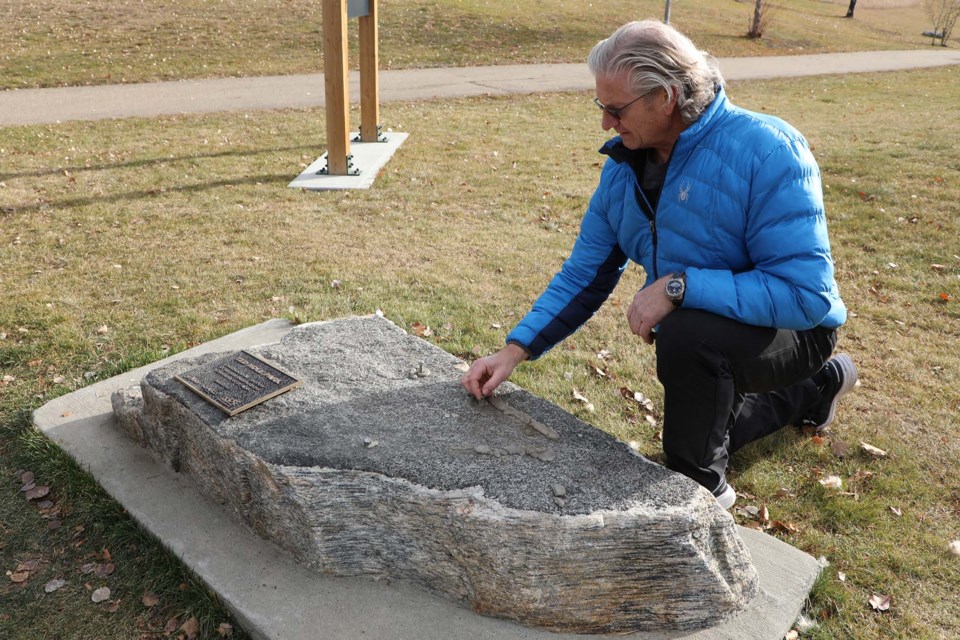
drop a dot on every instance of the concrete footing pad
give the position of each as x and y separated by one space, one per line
274 597
368 159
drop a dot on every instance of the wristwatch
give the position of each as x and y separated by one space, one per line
676 287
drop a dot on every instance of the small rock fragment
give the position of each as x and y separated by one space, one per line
514 450
419 371
560 502
482 449
370 444
559 490
547 456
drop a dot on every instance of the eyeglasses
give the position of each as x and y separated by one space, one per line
617 113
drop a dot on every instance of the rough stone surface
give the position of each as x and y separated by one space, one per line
457 496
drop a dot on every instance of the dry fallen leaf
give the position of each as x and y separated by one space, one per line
748 511
89 567
225 629
954 547
872 450
191 627
839 448
421 330
586 403
37 492
104 569
114 606
763 515
150 600
832 482
172 625
841 576
783 527
793 634
818 440
53 585
896 511
18 577
880 602
101 594
26 477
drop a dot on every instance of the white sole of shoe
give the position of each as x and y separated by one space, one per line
727 498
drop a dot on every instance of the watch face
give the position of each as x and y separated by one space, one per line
674 288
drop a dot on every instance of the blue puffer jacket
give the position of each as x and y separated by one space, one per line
740 212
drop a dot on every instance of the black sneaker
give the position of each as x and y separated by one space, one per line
836 378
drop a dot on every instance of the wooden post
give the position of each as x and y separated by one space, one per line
369 82
336 83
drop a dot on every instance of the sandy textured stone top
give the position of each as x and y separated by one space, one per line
367 380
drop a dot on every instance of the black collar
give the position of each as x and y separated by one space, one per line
619 153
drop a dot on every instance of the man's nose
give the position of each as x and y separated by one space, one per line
608 122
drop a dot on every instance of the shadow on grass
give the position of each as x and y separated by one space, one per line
270 178
154 161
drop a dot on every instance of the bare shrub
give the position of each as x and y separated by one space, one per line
944 14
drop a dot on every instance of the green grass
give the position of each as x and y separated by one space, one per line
175 231
83 526
47 43
172 231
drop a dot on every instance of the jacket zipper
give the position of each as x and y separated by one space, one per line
651 215
650 212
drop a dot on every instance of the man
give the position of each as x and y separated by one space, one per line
723 209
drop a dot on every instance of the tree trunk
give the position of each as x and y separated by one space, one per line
853 5
756 30
666 13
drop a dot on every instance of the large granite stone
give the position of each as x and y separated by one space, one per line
381 465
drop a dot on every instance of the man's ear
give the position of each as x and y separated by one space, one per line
670 100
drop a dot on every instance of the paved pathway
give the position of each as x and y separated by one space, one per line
43 106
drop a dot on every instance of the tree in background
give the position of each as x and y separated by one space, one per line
666 13
853 5
944 14
762 14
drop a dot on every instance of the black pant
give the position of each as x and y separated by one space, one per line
727 384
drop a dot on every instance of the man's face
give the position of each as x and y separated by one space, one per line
644 124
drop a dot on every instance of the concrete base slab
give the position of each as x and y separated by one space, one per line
273 597
368 157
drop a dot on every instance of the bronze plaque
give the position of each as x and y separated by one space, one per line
237 382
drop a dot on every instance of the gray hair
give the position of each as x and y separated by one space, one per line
658 56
